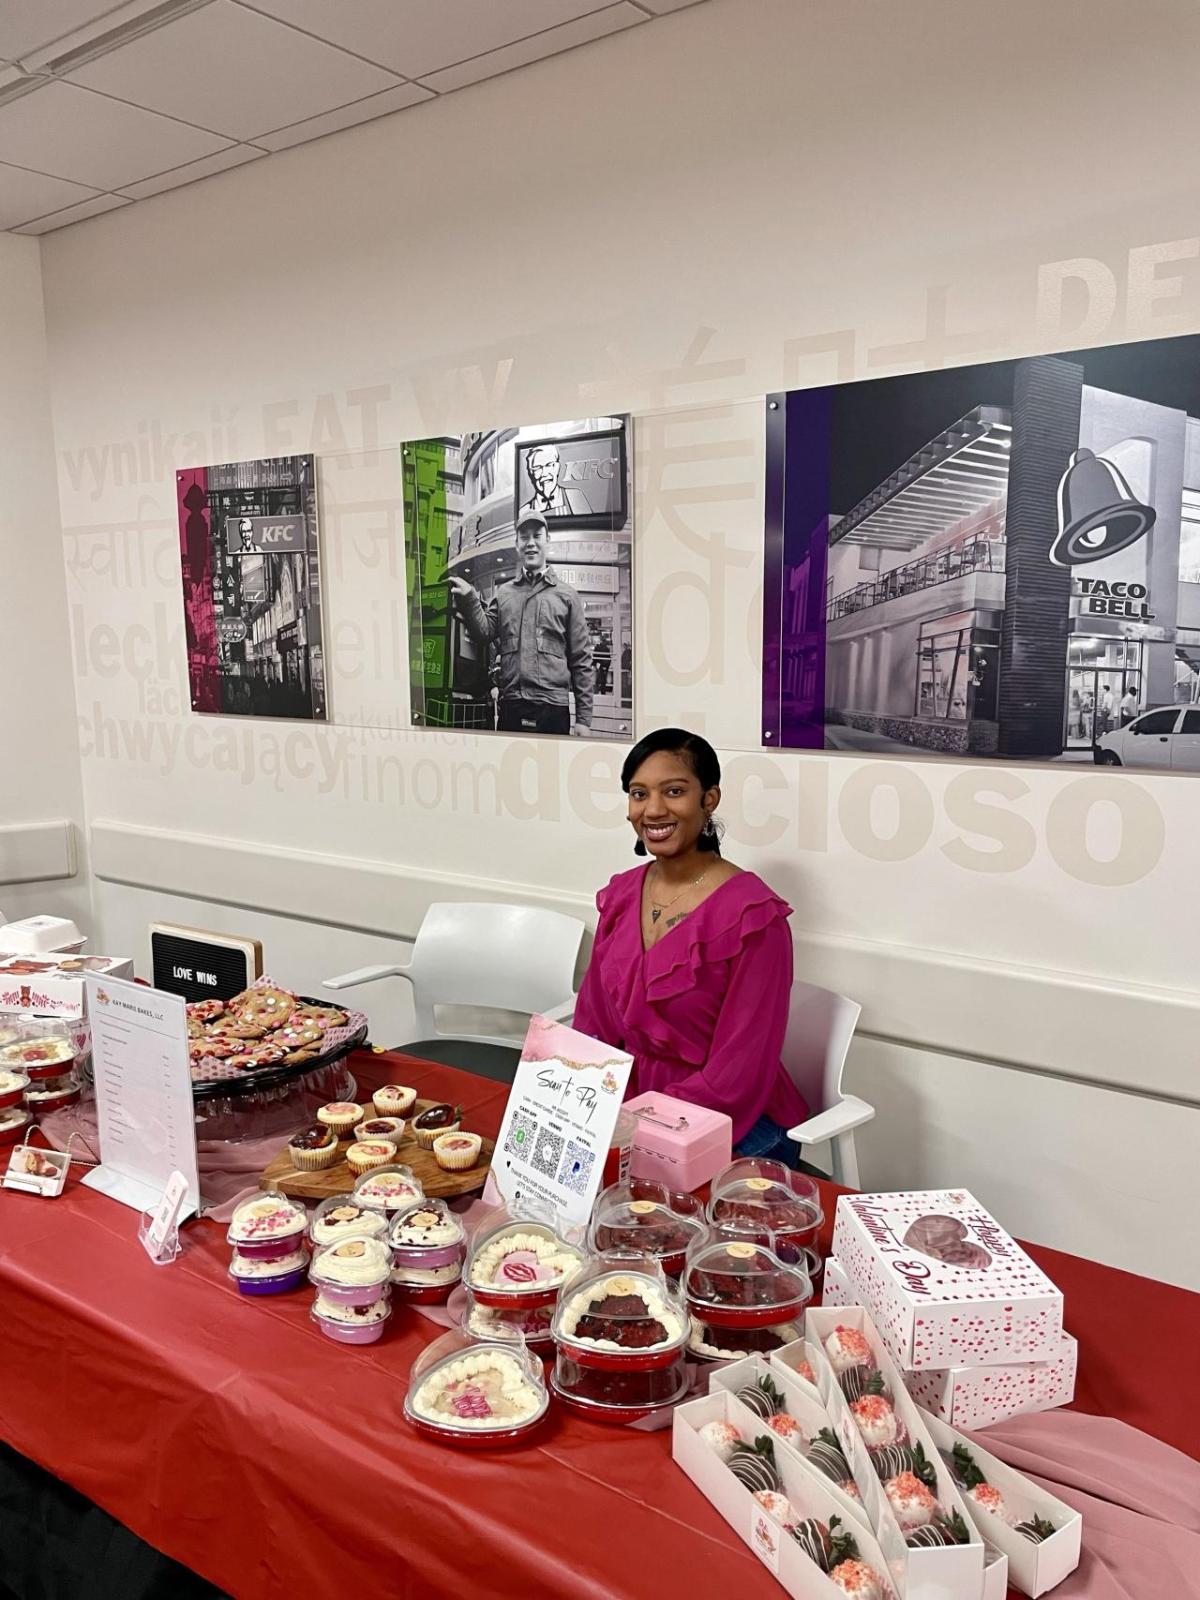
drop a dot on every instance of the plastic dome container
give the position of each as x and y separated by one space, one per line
14 1122
617 1397
387 1188
267 1227
269 1277
621 1315
47 1050
532 1327
426 1233
765 1200
519 1262
644 1218
353 1273
341 1217
351 1324
13 1084
708 1343
474 1393
734 1283
52 1094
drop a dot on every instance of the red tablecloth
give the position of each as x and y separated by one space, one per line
232 1436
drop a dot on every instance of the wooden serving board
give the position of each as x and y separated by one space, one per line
341 1177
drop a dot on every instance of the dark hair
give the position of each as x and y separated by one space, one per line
702 759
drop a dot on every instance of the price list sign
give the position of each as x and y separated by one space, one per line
143 1093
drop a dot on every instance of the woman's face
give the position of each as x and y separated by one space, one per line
667 807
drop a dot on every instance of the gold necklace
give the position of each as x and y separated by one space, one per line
657 907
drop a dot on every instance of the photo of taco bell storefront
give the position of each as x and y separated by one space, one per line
1025 583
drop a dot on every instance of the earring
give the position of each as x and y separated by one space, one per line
639 849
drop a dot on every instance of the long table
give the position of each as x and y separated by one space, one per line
231 1435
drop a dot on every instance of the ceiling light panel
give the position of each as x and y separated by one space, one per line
416 37
233 71
71 133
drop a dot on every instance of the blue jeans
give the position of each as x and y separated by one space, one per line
768 1139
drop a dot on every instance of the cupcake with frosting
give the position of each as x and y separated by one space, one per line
365 1154
342 1116
313 1148
394 1100
457 1152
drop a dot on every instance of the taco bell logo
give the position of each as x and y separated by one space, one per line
1098 513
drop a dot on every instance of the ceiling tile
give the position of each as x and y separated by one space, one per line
236 156
64 219
417 37
25 195
611 20
376 105
231 70
83 136
25 25
661 7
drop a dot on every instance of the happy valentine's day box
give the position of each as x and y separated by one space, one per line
945 1285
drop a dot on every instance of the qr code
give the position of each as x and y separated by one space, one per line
519 1139
546 1152
576 1168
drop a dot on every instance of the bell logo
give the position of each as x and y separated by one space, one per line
1097 512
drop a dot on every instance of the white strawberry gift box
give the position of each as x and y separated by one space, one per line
945 1285
975 1397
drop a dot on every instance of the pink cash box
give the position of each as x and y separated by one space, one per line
677 1143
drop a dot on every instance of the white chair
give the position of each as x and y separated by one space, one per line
483 957
820 1027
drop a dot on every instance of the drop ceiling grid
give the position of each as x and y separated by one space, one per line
229 81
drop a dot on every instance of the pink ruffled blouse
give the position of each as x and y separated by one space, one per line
704 1011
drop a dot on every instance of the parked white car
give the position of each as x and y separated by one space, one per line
1168 737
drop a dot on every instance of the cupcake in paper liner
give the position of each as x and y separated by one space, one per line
457 1152
313 1149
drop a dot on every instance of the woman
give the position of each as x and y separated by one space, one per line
691 970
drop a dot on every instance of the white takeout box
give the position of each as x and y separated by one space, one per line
1032 1568
945 1285
801 1402
945 1572
777 1550
974 1397
33 936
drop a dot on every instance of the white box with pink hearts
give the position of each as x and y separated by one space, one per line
943 1282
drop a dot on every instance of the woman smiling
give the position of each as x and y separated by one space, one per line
691 969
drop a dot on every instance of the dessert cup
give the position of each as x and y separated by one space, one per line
350 1324
427 1234
352 1273
387 1189
268 1227
617 1397
519 1263
13 1085
643 1218
621 1316
739 1284
475 1394
14 1121
764 1201
255 1277
52 1094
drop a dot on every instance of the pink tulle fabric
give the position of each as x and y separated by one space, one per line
704 1011
1139 1499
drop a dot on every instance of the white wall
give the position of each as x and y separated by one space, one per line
41 806
751 194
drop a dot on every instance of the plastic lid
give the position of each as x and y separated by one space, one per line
461 1385
268 1216
738 1283
517 1256
389 1187
427 1222
38 1044
354 1263
643 1218
13 1080
341 1217
756 1195
625 1308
